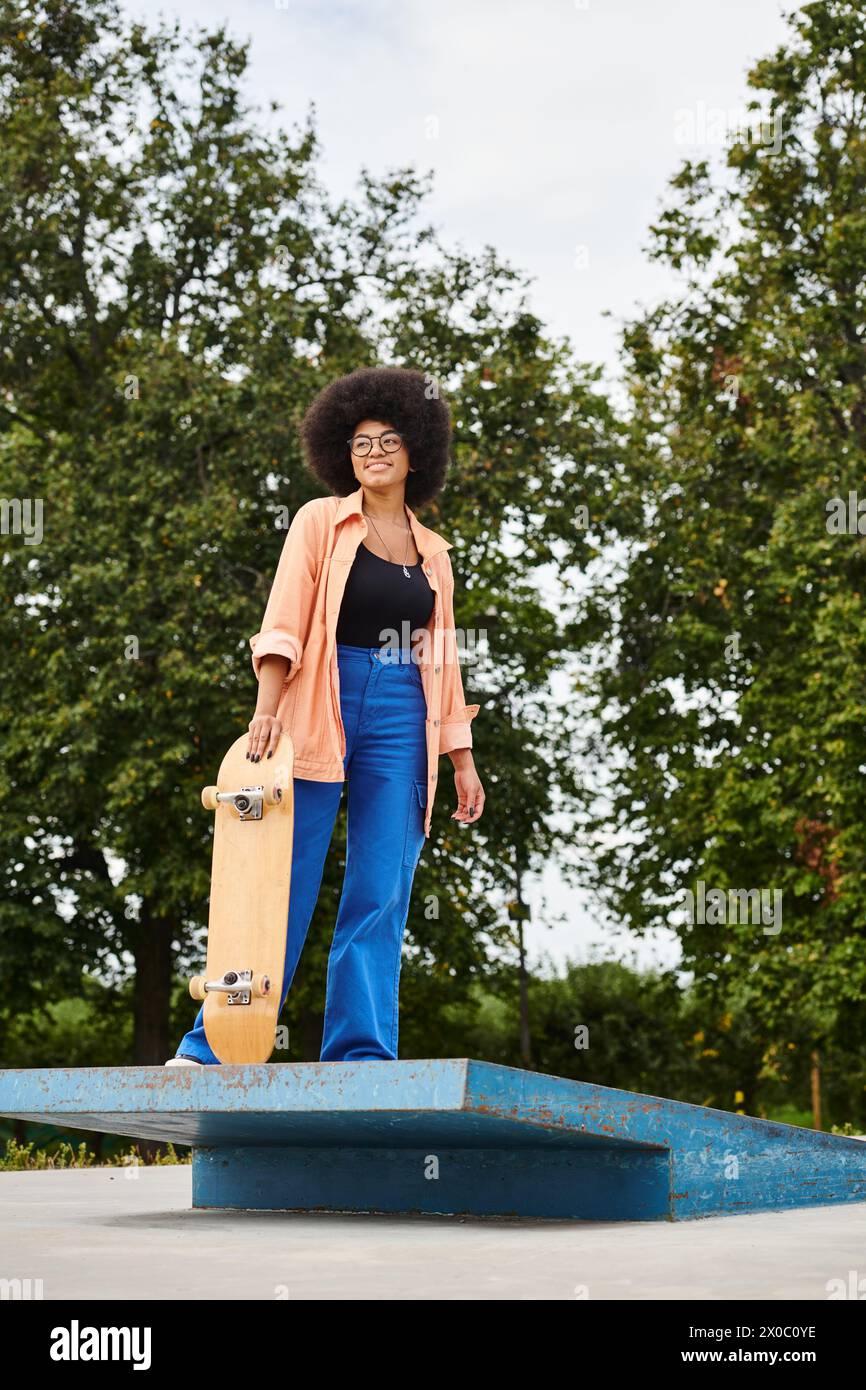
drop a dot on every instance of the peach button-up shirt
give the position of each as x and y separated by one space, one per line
300 623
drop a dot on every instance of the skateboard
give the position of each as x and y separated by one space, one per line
249 902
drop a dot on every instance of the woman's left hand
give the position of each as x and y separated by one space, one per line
470 795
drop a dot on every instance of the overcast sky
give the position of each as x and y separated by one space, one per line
552 128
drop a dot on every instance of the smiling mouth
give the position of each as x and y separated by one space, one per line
377 465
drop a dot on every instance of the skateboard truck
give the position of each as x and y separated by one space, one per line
249 802
238 985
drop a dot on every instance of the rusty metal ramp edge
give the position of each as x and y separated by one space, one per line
451 1136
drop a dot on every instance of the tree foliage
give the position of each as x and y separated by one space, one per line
731 704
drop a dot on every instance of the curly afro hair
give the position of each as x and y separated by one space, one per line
398 396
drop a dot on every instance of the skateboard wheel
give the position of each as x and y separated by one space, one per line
209 798
196 987
273 796
261 985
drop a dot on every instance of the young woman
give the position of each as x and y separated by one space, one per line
357 659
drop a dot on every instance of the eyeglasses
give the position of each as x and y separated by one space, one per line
363 443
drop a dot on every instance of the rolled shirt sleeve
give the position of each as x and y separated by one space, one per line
290 604
454 730
456 717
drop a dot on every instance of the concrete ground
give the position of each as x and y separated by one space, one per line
103 1233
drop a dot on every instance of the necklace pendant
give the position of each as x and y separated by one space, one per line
406 572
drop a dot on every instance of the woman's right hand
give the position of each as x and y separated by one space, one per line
265 730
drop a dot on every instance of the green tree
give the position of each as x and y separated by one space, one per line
730 706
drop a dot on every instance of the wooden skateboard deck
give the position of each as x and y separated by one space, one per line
253 809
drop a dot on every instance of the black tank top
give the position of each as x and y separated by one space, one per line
378 597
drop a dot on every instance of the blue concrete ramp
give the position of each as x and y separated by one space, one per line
453 1137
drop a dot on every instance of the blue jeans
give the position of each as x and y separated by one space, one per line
384 714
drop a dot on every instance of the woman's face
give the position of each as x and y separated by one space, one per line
383 467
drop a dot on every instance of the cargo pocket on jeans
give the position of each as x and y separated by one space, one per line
414 839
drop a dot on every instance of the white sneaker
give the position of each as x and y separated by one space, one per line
182 1062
